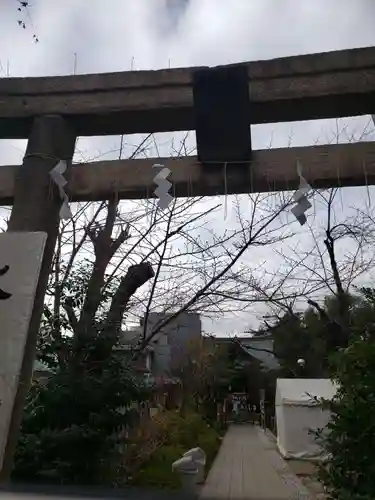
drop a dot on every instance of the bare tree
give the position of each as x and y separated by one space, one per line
330 255
119 261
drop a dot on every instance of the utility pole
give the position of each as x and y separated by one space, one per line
36 208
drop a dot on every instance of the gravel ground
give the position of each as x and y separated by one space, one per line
305 471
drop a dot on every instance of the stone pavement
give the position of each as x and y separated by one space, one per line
248 467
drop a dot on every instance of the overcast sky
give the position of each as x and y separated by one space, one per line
92 36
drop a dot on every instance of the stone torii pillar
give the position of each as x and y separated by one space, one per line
35 209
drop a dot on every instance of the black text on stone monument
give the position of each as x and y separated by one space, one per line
4 295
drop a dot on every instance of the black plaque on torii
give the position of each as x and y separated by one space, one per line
222 114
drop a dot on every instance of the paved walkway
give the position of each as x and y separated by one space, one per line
248 467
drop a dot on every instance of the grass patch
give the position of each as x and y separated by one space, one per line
184 432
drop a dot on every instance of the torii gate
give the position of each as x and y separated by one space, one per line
219 103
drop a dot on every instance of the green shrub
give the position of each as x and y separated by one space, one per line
71 425
350 471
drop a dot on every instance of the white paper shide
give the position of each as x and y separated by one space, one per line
162 191
57 175
300 197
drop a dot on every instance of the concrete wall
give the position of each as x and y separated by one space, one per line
161 358
179 334
172 343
